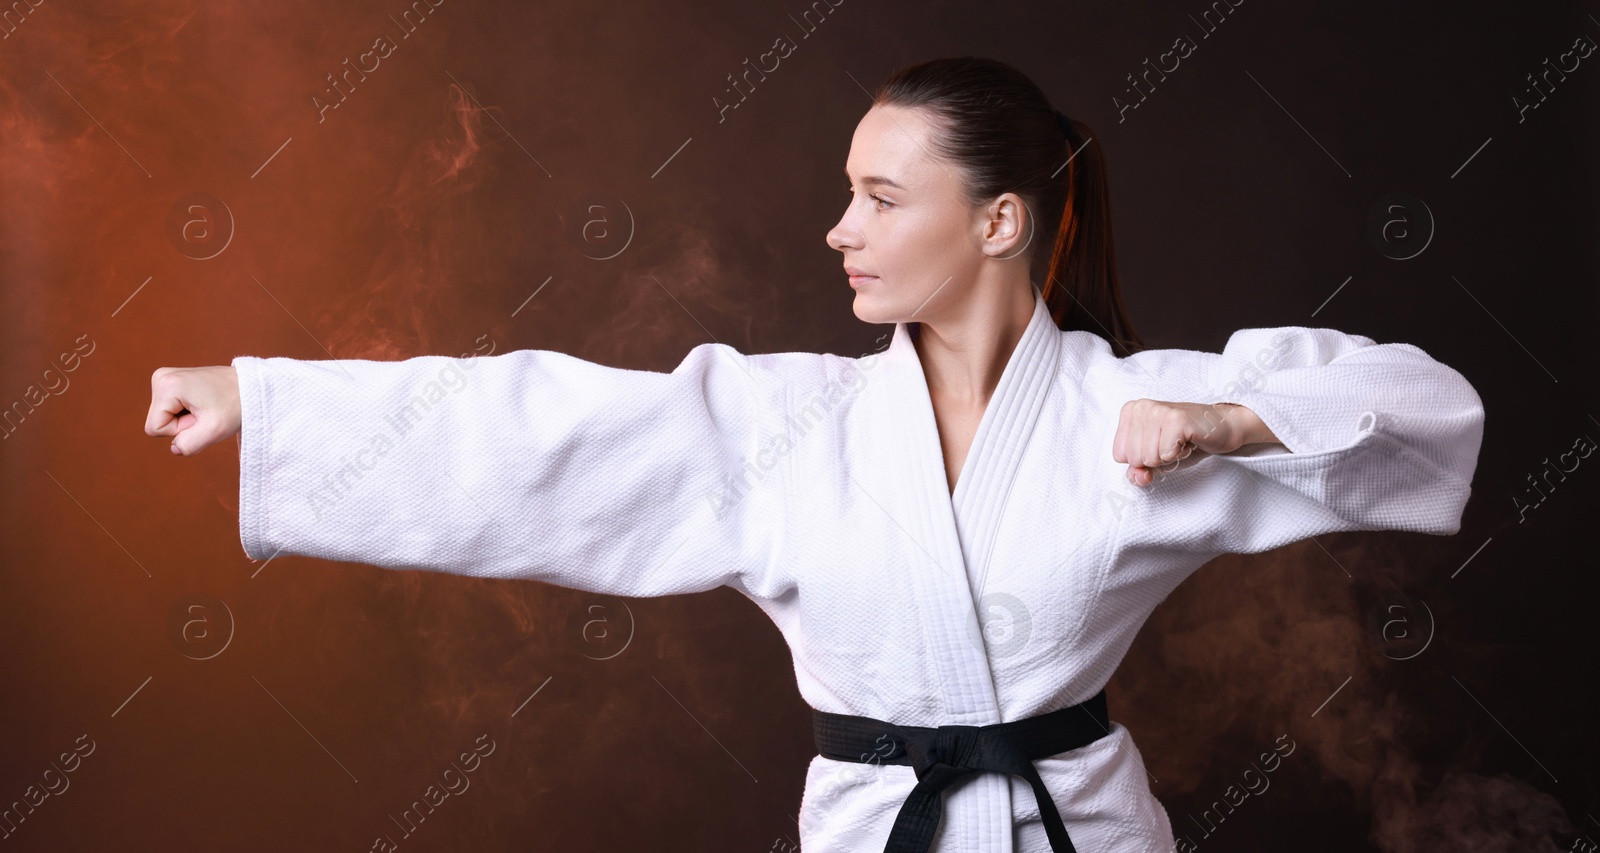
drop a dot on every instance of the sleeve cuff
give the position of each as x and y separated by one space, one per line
252 454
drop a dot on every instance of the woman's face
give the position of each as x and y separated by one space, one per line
908 224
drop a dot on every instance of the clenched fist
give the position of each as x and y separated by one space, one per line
197 406
1153 433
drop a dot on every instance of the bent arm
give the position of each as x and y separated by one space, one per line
1373 436
531 464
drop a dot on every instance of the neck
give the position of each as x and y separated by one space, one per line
963 356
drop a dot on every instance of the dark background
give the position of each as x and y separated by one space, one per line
424 213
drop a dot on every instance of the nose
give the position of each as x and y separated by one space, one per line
842 236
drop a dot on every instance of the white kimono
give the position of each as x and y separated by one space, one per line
814 484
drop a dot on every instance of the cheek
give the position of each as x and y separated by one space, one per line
928 240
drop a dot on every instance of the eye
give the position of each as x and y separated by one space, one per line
851 190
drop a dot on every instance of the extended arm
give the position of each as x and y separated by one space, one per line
532 464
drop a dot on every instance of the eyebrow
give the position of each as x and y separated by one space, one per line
873 179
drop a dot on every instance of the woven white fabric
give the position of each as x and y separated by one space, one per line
814 485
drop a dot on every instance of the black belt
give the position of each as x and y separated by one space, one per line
941 756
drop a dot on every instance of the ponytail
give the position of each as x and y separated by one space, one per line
1081 288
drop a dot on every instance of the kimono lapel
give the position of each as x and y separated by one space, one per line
990 468
955 533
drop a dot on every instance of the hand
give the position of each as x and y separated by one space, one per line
197 406
1152 433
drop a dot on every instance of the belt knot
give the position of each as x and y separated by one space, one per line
952 747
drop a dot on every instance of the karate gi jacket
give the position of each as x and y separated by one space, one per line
814 484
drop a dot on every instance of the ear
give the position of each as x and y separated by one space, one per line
1008 227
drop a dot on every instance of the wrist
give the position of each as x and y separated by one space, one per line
1246 426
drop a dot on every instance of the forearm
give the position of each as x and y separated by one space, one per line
1247 426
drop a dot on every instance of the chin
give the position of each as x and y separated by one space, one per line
877 306
873 308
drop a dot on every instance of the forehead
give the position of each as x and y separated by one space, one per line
892 142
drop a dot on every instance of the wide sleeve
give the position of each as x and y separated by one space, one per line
1374 437
530 464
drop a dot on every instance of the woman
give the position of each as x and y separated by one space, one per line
1011 453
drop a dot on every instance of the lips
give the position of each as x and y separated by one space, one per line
858 276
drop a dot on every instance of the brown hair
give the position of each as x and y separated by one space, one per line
1002 132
